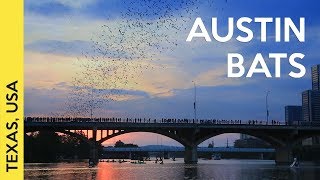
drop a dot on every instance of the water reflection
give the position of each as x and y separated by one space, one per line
191 172
223 169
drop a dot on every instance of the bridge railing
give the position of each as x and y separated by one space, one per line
149 120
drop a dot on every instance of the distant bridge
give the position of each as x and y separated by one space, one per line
189 132
181 149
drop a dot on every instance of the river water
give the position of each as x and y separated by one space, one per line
205 169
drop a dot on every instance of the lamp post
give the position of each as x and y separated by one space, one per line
195 101
91 104
267 106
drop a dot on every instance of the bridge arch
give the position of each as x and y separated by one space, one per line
273 141
160 132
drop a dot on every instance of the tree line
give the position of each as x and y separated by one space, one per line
46 146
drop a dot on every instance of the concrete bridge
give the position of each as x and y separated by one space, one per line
181 149
190 133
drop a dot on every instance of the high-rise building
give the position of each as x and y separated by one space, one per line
315 70
293 114
311 106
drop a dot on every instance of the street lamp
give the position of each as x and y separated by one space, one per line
195 101
91 104
267 106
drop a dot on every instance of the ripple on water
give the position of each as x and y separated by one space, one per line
205 169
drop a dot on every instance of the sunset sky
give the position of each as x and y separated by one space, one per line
156 81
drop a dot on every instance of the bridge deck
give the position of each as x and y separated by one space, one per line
120 125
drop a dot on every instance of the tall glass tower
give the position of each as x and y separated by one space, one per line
311 106
315 72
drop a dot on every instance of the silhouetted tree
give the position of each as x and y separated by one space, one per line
46 146
122 144
43 146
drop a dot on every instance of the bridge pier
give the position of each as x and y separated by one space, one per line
190 154
283 156
94 155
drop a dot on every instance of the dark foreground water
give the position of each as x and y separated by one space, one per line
205 169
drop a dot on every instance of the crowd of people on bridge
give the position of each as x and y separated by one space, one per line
273 122
149 120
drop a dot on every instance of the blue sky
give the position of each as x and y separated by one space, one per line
155 66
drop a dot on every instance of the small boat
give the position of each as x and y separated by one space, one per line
295 163
216 157
138 162
122 161
91 164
